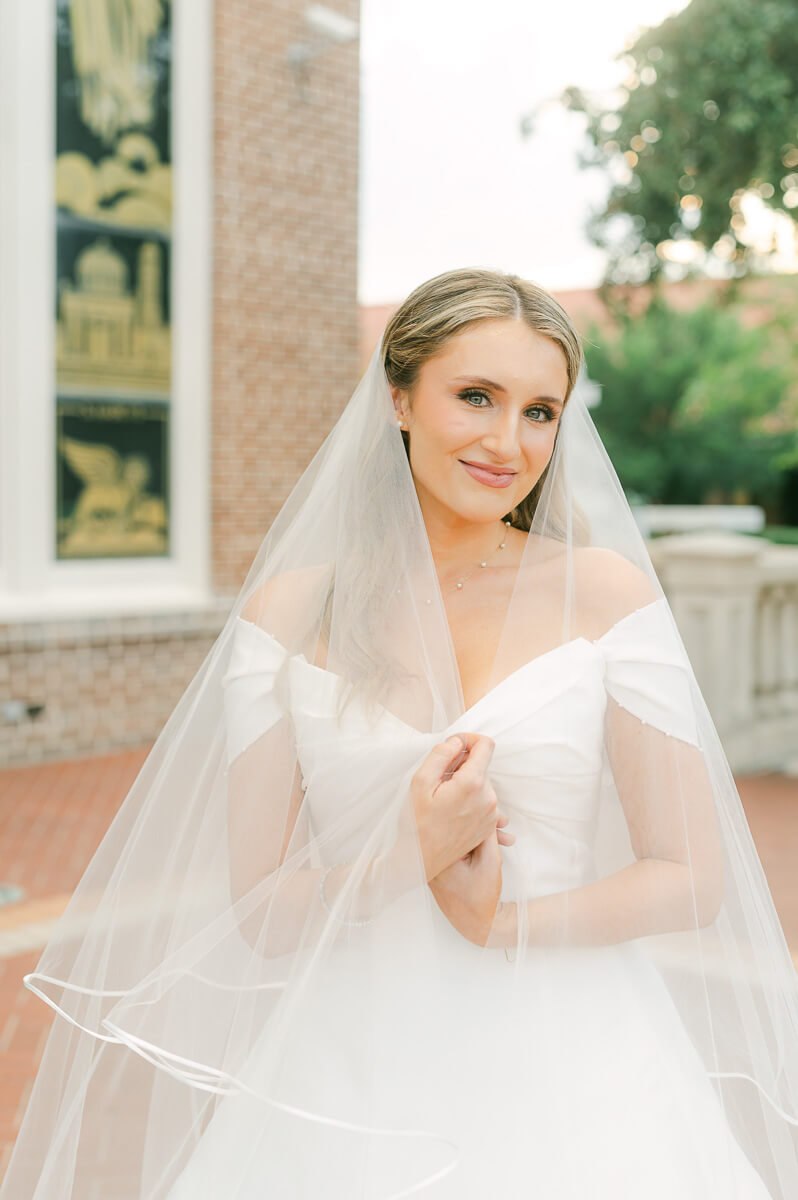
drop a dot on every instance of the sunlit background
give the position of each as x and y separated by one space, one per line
448 174
208 211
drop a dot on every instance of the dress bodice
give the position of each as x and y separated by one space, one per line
547 720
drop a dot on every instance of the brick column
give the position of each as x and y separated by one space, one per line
285 331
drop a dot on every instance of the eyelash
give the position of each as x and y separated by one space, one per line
469 392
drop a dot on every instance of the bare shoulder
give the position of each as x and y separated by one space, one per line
610 586
286 602
614 577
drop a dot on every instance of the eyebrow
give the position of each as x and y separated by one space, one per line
497 387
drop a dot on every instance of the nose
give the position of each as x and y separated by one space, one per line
503 437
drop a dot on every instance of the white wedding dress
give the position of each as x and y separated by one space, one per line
616 1103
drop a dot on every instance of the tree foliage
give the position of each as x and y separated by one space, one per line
694 407
709 111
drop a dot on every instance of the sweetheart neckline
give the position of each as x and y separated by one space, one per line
467 712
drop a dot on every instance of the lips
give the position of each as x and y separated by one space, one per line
491 476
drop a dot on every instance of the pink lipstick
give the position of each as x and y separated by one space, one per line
492 476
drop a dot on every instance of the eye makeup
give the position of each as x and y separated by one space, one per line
468 394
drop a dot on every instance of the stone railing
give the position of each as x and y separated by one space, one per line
735 601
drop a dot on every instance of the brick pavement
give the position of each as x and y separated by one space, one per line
53 816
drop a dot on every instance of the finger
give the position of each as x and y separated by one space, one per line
438 759
486 854
478 760
455 764
505 839
468 739
502 820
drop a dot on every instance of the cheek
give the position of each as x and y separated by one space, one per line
537 448
450 432
538 442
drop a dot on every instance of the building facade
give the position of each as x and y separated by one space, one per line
178 331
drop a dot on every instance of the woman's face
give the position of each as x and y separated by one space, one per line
483 418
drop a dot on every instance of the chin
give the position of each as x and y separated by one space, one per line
481 515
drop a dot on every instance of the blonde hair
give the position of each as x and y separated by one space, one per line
447 304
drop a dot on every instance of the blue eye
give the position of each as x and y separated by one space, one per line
469 394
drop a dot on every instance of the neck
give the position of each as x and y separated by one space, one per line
457 543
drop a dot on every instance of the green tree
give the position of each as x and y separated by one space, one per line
694 407
708 112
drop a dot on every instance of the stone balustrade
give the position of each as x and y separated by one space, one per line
735 601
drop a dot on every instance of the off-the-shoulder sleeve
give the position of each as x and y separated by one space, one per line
647 670
251 702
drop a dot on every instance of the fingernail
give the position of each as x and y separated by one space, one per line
454 739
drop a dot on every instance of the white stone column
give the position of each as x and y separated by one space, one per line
712 580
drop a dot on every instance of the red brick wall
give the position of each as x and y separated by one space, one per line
285 335
102 684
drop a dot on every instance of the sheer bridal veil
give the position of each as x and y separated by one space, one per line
255 927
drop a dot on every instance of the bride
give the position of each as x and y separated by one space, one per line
437 880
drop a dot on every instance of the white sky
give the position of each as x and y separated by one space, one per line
446 178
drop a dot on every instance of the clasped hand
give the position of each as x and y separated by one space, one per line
460 829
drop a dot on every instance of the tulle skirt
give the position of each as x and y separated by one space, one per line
586 1085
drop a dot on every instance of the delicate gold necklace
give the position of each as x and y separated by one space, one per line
457 586
483 563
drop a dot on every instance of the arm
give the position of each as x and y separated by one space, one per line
270 846
269 852
649 896
676 880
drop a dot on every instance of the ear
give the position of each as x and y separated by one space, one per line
400 405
